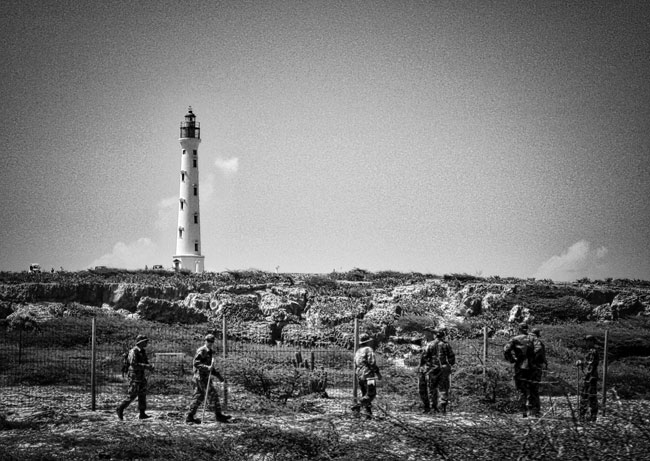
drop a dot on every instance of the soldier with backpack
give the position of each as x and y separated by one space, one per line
135 364
523 351
204 387
589 390
434 371
367 373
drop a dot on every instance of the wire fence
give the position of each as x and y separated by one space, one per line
62 358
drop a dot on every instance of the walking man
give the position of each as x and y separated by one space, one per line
367 373
204 387
137 363
435 368
539 365
589 391
522 350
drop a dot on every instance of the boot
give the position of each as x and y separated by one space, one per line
190 419
120 412
222 418
143 415
368 413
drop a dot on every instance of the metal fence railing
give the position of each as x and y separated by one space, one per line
81 359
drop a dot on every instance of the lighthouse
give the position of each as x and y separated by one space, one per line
188 234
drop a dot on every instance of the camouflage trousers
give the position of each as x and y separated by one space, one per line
137 388
433 386
527 383
368 393
200 385
589 398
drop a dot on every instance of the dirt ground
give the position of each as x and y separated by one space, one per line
59 425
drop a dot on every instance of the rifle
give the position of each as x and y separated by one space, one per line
207 390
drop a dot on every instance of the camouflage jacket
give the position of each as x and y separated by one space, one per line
523 350
138 362
366 365
202 364
436 353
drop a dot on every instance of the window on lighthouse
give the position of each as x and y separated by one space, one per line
196 190
180 232
196 246
183 176
181 204
196 218
194 163
194 152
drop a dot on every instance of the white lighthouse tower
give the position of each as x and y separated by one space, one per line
188 234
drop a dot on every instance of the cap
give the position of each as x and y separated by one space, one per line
364 338
141 339
210 338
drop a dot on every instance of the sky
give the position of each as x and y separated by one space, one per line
505 138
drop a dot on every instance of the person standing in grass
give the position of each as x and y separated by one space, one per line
367 373
204 375
522 351
137 364
589 391
434 371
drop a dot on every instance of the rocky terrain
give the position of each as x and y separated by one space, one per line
312 308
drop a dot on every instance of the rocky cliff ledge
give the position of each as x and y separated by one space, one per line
266 307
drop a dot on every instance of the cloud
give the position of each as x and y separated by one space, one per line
135 255
227 165
579 261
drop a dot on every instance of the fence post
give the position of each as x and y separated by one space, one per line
93 390
20 346
224 352
605 371
355 384
485 352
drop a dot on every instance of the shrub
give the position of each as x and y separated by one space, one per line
276 381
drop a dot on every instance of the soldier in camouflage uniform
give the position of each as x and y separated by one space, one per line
540 363
434 371
367 372
589 391
204 370
523 351
138 363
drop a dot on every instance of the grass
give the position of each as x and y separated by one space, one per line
624 433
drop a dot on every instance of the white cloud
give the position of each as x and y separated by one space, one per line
227 165
135 255
579 261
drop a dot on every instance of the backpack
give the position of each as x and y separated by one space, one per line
525 353
126 363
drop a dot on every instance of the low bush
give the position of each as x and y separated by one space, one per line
276 381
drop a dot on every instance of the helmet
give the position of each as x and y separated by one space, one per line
364 338
141 339
210 338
